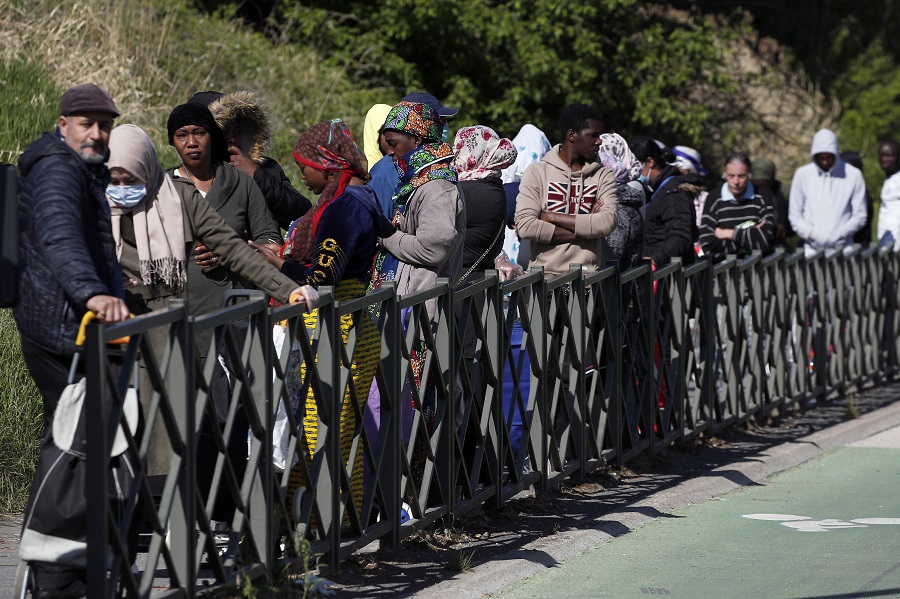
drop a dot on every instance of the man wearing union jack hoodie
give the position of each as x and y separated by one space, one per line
567 201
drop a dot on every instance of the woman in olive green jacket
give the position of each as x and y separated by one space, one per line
156 230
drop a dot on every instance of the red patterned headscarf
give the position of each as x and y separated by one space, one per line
328 147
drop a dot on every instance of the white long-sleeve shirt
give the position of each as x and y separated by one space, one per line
889 212
827 207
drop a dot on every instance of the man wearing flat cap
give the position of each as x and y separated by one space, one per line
69 267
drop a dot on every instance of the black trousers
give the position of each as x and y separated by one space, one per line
50 372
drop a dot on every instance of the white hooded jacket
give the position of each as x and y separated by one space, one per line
827 207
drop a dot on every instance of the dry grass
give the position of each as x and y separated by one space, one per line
152 56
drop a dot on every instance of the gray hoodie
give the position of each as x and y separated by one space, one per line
552 186
827 207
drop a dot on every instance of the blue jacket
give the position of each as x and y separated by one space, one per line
67 248
384 180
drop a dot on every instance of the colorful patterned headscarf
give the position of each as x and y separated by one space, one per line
428 162
328 147
615 146
415 119
481 153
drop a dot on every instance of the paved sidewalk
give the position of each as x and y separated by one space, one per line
10 528
827 528
614 563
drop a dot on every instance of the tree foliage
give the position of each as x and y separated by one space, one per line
851 50
871 107
506 63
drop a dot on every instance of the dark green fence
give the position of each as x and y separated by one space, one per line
524 384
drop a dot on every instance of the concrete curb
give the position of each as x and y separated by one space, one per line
515 566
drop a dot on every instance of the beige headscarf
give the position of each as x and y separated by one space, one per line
371 130
158 219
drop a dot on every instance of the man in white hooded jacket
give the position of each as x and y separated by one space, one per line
828 197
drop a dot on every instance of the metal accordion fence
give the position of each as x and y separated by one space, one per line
479 393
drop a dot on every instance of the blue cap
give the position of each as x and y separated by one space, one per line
426 98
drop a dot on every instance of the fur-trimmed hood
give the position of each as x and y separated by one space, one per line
248 109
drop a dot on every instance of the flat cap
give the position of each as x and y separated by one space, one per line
86 97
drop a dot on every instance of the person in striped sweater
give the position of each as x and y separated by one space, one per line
737 217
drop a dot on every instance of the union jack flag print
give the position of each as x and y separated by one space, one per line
567 203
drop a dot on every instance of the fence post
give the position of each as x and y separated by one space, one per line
447 353
97 466
181 389
579 330
390 411
328 477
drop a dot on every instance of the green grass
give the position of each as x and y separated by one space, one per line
30 99
20 420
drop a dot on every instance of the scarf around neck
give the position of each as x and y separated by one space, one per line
426 163
158 218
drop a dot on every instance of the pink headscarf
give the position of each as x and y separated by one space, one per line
481 153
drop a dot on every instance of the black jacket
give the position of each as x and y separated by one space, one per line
285 203
485 202
670 226
66 242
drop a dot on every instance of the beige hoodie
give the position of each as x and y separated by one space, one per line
551 186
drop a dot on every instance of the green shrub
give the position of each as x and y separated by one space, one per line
20 420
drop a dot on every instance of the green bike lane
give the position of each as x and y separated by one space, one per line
827 528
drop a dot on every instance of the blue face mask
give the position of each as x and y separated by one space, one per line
126 196
445 134
644 179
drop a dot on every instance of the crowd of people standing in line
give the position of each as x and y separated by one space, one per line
106 229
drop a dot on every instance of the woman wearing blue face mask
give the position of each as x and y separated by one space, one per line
156 229
670 227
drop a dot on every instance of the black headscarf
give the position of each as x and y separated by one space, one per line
199 116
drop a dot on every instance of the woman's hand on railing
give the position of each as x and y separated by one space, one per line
306 294
508 270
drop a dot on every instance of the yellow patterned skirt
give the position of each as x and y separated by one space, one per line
363 364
